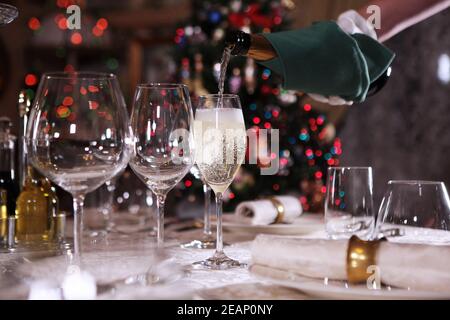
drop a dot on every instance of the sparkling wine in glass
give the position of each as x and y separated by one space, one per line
220 141
78 135
162 122
207 241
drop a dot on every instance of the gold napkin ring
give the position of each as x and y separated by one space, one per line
280 209
360 255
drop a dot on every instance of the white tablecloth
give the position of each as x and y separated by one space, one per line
115 257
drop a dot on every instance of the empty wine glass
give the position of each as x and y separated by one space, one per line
79 135
98 209
220 141
417 211
163 154
349 202
207 241
7 13
134 203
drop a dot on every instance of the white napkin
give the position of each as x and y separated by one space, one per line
416 266
263 212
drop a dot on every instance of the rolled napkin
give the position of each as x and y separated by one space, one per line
415 266
279 209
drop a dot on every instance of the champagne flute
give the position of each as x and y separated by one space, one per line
78 135
207 241
220 141
163 142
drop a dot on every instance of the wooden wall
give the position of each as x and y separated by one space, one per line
308 11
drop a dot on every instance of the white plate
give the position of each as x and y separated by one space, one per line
336 289
305 224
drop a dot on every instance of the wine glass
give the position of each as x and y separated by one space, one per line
349 205
98 207
163 154
7 13
134 203
78 135
207 241
220 141
416 211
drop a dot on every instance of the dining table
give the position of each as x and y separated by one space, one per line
126 264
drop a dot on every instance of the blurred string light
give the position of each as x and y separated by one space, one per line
100 27
112 63
31 79
76 38
60 21
443 72
34 24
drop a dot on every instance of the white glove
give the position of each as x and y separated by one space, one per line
350 22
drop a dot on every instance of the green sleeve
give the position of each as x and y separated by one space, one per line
323 59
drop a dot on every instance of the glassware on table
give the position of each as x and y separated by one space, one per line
162 122
7 13
415 211
220 141
134 206
78 135
207 241
98 207
349 202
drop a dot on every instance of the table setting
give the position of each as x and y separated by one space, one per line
326 238
350 252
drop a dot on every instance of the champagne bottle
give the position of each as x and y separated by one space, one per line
3 215
256 46
8 182
33 222
37 204
252 45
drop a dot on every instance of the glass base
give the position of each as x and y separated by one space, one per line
205 243
220 261
50 247
95 233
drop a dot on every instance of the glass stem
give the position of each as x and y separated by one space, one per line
207 217
219 242
78 203
160 200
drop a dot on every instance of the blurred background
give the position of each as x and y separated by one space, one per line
403 132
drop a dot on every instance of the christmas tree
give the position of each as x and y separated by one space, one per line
307 143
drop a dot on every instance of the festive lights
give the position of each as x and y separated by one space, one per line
30 80
34 24
76 38
307 141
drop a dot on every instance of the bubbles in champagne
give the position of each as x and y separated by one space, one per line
221 143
